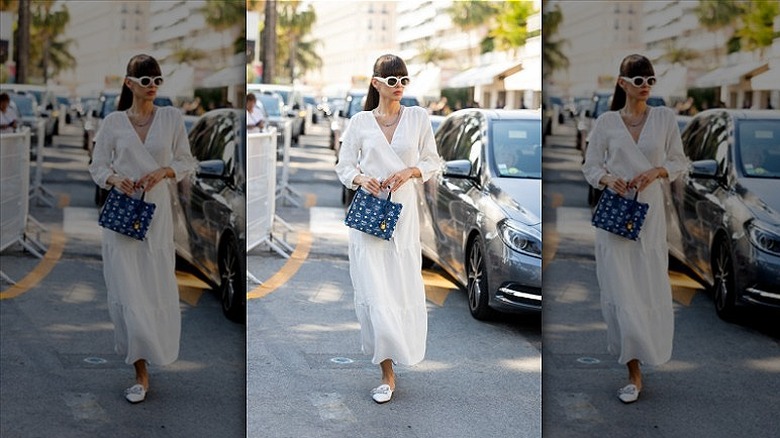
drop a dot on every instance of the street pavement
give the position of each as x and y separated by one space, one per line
306 375
60 375
723 379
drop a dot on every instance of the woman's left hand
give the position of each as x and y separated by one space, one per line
641 181
397 179
148 181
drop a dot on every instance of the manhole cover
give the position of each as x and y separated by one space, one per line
342 360
95 360
588 360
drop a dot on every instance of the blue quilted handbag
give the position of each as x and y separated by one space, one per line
373 215
126 215
619 215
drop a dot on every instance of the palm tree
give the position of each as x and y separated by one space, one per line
221 16
269 42
719 16
470 15
47 26
428 54
293 26
511 29
756 30
553 57
678 55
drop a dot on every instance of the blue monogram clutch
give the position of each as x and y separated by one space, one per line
373 215
619 215
126 215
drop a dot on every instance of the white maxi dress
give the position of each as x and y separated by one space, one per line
636 296
143 297
387 275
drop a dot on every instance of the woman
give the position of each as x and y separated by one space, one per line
138 148
386 148
633 147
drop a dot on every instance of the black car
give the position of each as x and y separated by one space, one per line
210 208
481 218
724 216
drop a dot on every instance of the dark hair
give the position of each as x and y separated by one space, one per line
4 97
632 65
139 65
251 96
385 65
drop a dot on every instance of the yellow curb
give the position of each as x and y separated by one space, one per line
287 271
43 268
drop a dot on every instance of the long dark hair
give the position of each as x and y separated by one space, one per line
139 65
632 65
385 65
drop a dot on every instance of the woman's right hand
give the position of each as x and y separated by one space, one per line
618 185
368 183
124 185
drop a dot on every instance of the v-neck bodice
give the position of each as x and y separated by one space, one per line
148 130
397 125
641 131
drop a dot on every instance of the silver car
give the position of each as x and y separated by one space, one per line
481 217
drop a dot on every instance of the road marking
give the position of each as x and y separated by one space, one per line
437 287
287 271
42 269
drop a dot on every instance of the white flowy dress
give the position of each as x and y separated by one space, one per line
387 275
143 297
633 276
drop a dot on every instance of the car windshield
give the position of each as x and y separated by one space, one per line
24 105
271 104
517 148
757 142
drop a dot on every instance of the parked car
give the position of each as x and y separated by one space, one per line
46 109
436 121
210 208
272 106
724 216
293 105
480 219
25 108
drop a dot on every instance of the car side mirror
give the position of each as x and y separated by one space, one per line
211 169
707 169
587 113
457 168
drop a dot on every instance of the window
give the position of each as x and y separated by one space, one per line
447 136
469 146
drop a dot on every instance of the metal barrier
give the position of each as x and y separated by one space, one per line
261 189
38 191
285 192
14 194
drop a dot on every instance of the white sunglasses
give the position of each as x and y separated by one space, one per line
639 81
147 81
393 81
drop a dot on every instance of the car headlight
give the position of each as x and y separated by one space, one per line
520 237
762 238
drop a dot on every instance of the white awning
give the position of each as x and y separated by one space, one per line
425 83
529 78
768 80
483 75
729 75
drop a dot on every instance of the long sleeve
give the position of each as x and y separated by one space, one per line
429 162
347 165
183 162
102 155
593 168
676 163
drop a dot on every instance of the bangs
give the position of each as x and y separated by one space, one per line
636 65
390 65
143 65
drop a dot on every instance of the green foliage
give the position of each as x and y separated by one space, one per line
292 48
471 14
552 48
511 29
755 31
46 29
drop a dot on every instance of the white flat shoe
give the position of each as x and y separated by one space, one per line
382 393
628 393
135 393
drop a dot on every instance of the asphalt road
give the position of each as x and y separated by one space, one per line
60 376
306 375
723 379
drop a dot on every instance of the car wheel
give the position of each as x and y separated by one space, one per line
723 274
478 290
232 288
